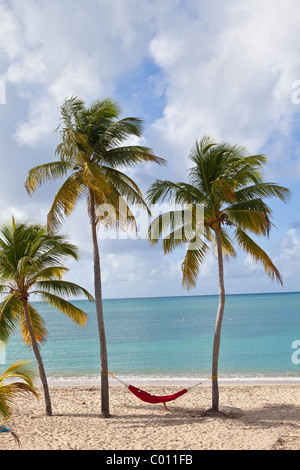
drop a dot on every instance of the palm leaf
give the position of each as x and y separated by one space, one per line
258 254
262 190
227 245
48 273
77 315
257 222
125 186
44 173
38 325
117 132
192 261
130 156
63 288
65 200
8 392
10 309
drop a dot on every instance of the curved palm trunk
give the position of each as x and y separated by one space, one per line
217 337
99 310
38 356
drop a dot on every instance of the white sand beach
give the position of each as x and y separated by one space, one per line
260 417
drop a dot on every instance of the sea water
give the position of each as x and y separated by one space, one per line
171 339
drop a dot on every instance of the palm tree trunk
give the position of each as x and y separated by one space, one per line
99 310
217 337
38 356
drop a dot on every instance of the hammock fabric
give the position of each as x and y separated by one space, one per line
148 398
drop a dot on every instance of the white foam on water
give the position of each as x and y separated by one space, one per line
94 380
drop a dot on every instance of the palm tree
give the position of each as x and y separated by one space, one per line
9 389
90 153
31 264
228 183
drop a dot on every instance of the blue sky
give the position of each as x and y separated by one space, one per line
187 68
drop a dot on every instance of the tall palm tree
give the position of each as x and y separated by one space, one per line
229 184
31 263
92 148
9 389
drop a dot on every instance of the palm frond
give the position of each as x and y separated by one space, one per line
129 156
94 178
192 261
19 370
262 190
77 315
256 221
65 200
63 288
125 186
181 193
117 133
49 273
45 173
227 245
10 310
170 221
38 325
258 254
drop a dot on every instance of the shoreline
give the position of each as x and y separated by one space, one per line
171 381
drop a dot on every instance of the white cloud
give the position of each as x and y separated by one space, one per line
31 68
236 83
289 258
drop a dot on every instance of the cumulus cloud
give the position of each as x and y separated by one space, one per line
289 257
234 83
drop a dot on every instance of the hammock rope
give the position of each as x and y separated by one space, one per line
149 398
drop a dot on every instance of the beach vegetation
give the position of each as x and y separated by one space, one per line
32 267
228 183
24 373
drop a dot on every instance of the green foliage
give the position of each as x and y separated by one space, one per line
31 262
9 389
91 153
229 183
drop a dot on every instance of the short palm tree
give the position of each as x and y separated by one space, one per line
31 264
228 183
91 152
9 388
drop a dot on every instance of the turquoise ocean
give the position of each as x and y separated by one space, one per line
170 339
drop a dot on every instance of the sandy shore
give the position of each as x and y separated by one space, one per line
260 417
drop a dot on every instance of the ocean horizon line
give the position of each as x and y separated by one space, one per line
181 296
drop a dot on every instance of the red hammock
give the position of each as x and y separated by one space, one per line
148 398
